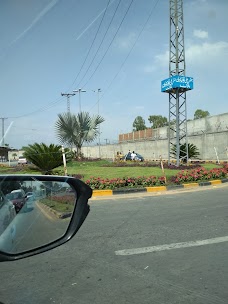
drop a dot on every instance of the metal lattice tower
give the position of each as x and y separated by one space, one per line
68 95
176 85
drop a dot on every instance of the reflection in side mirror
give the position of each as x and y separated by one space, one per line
36 211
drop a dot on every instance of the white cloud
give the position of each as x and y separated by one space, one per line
199 54
207 53
148 69
125 43
162 59
200 34
139 108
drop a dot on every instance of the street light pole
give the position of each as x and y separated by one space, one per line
3 130
79 91
99 128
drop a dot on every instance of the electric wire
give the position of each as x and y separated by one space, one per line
113 16
43 109
58 100
130 51
90 48
52 104
129 6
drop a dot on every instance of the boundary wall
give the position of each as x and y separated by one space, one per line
209 134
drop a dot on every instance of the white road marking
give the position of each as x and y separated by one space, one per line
172 246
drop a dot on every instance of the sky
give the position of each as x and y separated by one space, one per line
49 47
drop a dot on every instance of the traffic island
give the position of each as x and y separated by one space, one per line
157 188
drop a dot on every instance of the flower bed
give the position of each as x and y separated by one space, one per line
200 174
150 164
184 176
125 182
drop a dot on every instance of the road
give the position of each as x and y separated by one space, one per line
92 268
11 164
31 228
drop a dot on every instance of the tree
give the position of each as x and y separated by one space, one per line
193 151
139 124
8 186
44 157
158 121
14 155
74 130
200 114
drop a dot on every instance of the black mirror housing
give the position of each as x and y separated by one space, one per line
80 210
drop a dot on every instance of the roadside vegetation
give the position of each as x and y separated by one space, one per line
45 158
104 174
60 204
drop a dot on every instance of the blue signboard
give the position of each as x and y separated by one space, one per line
184 83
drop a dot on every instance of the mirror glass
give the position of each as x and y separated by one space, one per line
33 212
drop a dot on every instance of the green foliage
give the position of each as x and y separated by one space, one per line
193 151
8 186
158 121
44 157
74 130
125 182
139 124
200 114
200 174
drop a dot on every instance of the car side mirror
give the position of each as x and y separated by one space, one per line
50 219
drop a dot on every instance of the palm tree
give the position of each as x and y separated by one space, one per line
14 155
193 151
74 130
44 157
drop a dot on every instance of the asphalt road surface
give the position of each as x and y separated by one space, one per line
170 248
32 227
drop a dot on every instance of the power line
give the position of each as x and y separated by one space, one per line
101 42
133 45
43 109
52 104
129 6
108 3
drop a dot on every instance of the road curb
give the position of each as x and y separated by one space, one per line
158 188
57 214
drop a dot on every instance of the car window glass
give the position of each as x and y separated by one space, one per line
37 220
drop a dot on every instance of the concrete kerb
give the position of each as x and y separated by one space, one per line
57 214
157 188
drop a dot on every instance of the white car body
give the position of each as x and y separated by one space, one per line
22 160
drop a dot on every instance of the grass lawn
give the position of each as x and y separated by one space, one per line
88 169
96 169
211 166
13 170
59 207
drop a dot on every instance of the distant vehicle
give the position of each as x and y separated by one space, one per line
18 198
7 213
30 195
22 160
138 157
30 198
7 216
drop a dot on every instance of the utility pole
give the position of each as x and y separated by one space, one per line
3 130
99 127
68 95
79 91
176 86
